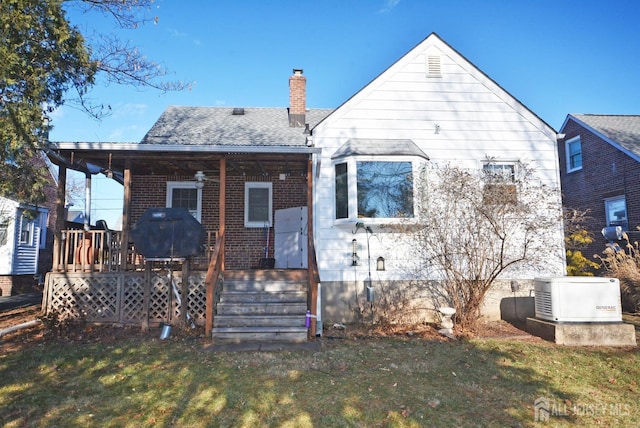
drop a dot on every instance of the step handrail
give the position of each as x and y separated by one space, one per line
216 267
314 280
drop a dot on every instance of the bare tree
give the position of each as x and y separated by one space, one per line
117 60
479 226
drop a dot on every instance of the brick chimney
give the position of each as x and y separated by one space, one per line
297 98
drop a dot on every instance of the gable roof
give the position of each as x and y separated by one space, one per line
219 126
622 131
434 39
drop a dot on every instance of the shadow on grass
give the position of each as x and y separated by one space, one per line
349 382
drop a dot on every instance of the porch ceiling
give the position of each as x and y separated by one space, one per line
185 163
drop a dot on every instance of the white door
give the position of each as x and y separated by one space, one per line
290 240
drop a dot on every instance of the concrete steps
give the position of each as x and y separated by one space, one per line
261 306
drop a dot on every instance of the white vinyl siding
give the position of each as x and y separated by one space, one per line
475 118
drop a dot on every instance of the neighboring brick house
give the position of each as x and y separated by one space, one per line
599 171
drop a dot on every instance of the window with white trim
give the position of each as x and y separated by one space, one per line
377 189
500 182
4 232
258 204
185 194
616 212
573 153
26 230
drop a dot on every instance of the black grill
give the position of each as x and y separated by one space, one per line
168 234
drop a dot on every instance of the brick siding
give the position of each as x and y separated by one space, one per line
606 172
244 246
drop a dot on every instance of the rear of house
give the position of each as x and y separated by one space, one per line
295 188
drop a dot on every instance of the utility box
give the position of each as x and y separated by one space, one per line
578 299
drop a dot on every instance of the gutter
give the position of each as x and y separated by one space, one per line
181 148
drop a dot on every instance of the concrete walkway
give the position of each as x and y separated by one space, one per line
8 303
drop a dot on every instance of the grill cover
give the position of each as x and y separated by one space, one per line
168 233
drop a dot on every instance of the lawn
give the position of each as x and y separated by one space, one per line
116 378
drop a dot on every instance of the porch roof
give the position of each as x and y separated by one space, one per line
187 139
224 126
379 147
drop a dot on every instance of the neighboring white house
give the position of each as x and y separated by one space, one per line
430 107
23 231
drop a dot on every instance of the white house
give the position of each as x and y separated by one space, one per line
247 172
23 231
431 107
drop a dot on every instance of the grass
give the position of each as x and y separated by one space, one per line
350 382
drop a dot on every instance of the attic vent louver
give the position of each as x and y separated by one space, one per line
434 66
238 112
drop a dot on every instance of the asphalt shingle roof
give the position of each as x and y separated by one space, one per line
218 126
623 129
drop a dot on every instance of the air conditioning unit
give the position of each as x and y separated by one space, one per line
578 299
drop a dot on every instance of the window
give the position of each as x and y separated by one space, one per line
573 151
26 230
257 204
4 232
383 189
185 195
616 212
500 178
342 191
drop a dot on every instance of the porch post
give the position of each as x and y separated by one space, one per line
223 205
124 236
60 218
211 285
311 260
87 202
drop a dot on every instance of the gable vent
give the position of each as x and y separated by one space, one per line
434 66
238 112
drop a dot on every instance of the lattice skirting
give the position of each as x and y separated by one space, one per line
119 297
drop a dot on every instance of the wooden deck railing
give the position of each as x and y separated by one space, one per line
314 280
216 267
100 251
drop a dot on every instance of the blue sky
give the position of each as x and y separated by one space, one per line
555 56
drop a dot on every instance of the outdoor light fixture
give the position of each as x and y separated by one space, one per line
199 177
368 282
354 252
380 263
109 172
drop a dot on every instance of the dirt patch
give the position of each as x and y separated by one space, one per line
46 331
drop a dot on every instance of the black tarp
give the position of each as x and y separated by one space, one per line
168 233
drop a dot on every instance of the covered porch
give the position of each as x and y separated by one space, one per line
211 182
